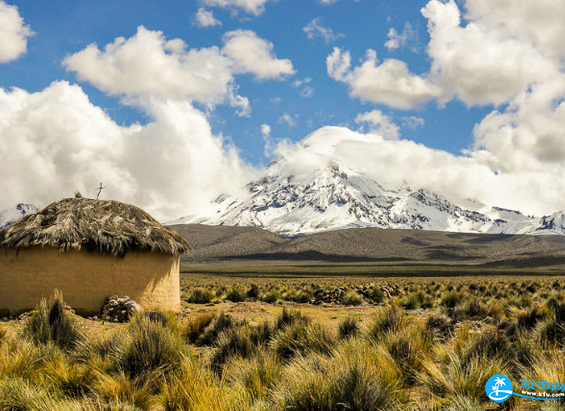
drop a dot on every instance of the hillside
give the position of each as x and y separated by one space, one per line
371 245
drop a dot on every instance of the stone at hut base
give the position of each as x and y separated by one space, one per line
119 309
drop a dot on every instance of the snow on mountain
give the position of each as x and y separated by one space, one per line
10 216
318 185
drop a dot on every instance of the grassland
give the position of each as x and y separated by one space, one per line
286 341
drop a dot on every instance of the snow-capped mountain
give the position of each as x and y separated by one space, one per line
10 216
323 191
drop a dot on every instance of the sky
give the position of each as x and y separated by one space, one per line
173 103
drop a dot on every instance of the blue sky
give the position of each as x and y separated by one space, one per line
148 96
62 28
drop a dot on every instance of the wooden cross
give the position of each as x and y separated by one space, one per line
100 190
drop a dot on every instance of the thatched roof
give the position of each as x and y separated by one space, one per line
83 223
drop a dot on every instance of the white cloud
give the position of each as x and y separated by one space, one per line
205 18
511 57
379 123
13 33
412 122
307 91
388 83
255 7
287 119
147 64
315 29
478 62
252 54
400 40
56 141
406 162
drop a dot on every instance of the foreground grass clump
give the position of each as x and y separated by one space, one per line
400 355
52 323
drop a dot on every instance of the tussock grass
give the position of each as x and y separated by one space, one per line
52 323
386 319
436 358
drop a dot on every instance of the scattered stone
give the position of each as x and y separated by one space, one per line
119 309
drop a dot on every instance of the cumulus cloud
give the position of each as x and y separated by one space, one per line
205 18
510 57
389 83
379 123
56 141
252 54
13 33
255 7
316 29
400 40
393 162
147 64
478 62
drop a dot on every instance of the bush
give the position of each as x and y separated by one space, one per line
440 325
200 296
348 328
377 296
152 347
270 296
196 325
450 299
351 298
346 381
253 292
257 375
236 295
386 319
418 299
290 317
53 324
299 339
221 323
231 343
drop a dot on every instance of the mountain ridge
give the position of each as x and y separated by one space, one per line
294 197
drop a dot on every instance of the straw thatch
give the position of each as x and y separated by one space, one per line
95 225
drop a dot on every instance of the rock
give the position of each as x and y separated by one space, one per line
119 309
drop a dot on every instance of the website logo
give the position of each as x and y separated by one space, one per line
499 388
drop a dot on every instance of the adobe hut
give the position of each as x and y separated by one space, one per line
89 249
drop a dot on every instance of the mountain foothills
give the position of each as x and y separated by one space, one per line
318 185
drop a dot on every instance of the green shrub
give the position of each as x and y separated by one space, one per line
300 296
377 296
351 298
270 296
236 295
418 299
200 296
450 299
